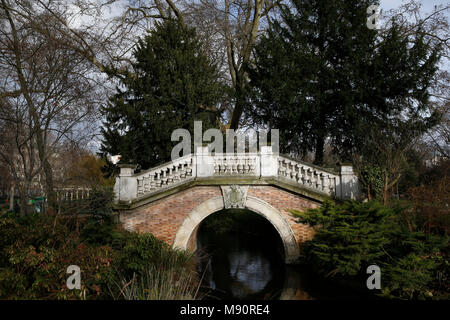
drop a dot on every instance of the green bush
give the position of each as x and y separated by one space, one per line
372 181
351 236
97 232
139 252
35 252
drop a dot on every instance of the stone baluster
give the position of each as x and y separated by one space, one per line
164 177
298 173
140 190
292 172
216 167
152 181
309 177
170 176
158 179
189 171
288 169
143 188
223 167
314 179
326 183
183 171
145 184
229 166
320 178
176 175
281 168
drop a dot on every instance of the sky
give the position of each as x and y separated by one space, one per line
428 5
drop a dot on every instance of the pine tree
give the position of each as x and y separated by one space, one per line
171 84
319 73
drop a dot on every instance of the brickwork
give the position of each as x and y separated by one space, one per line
283 201
164 217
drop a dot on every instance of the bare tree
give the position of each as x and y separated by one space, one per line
48 85
17 149
411 17
229 30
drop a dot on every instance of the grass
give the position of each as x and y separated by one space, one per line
172 277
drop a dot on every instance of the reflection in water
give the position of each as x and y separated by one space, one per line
242 266
239 265
253 271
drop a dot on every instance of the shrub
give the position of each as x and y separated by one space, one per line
36 256
139 252
429 210
351 236
97 232
35 252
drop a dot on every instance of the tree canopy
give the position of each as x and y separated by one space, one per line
320 73
171 84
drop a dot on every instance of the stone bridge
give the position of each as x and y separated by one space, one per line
170 201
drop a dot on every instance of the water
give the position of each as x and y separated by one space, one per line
249 265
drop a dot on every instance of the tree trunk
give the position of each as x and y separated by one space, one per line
48 171
49 187
318 156
23 200
11 199
240 102
385 189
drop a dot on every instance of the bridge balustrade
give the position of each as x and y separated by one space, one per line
264 165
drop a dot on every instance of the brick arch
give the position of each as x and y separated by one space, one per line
190 225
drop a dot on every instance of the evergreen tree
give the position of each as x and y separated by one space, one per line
351 236
171 84
320 73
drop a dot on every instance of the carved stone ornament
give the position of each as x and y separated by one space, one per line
234 196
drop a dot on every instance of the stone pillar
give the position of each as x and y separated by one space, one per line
205 162
125 188
348 184
269 162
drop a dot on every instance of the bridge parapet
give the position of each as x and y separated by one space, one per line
263 165
309 176
164 176
247 164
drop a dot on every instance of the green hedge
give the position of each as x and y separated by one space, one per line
351 236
